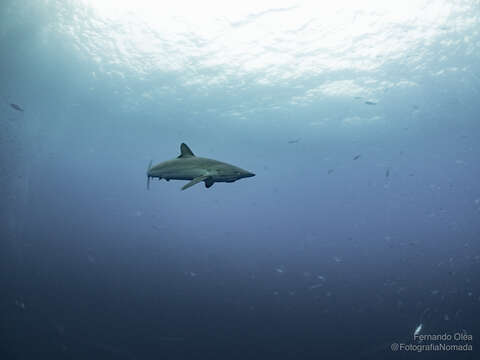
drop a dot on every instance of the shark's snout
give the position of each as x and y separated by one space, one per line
249 174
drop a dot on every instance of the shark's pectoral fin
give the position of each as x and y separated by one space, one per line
195 181
209 182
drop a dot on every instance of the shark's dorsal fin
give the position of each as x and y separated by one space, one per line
185 151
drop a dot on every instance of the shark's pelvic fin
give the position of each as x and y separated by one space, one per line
185 151
195 181
209 182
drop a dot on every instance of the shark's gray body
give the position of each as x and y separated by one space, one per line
187 166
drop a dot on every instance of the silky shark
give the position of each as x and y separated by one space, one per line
187 166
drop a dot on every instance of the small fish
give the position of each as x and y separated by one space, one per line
330 171
20 304
294 141
16 107
156 227
387 173
356 157
368 102
417 330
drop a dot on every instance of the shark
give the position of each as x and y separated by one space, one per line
187 166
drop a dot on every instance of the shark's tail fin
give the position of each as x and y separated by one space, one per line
148 176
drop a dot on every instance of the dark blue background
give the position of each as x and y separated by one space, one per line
295 263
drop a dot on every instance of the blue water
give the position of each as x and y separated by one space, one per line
360 120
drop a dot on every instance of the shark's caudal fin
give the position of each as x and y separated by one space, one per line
195 181
185 151
148 176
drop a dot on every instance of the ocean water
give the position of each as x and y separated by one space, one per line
358 235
